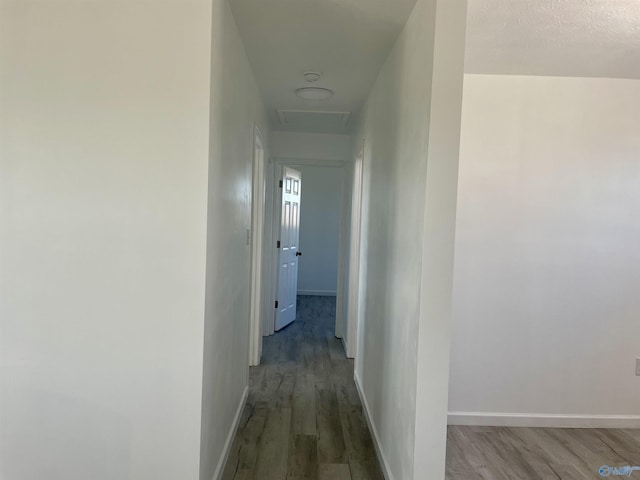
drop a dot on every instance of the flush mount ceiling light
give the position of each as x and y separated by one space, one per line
312 76
314 93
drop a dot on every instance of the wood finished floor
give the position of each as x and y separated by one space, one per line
303 418
500 453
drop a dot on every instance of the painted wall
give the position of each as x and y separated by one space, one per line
320 221
547 259
412 135
104 113
235 107
310 146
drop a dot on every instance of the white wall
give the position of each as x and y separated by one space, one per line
546 272
235 106
320 221
313 146
104 113
410 124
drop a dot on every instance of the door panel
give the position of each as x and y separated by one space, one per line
289 250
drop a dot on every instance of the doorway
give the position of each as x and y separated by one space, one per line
324 233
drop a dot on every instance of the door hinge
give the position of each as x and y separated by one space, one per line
280 184
276 303
278 244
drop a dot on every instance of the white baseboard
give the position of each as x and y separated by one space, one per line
344 345
543 420
318 293
232 433
384 465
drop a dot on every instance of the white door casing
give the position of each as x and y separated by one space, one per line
288 251
354 311
256 238
272 233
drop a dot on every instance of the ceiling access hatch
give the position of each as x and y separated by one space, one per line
314 120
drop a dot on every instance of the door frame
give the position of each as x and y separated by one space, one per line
355 273
270 252
273 217
256 237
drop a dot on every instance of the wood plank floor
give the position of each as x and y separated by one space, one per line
500 453
303 418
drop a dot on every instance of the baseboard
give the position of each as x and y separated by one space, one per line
543 420
232 433
384 465
344 345
318 293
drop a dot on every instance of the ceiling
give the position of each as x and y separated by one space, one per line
586 38
346 40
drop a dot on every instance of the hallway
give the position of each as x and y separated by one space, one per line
303 418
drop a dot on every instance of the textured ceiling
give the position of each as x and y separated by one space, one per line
346 40
590 38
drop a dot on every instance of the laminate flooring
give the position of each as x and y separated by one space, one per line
501 453
303 418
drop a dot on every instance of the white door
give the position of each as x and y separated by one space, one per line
288 251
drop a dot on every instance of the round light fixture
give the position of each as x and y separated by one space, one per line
314 93
312 76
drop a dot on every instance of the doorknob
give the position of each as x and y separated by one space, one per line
298 254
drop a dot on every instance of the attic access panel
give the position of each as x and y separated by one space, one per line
314 119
